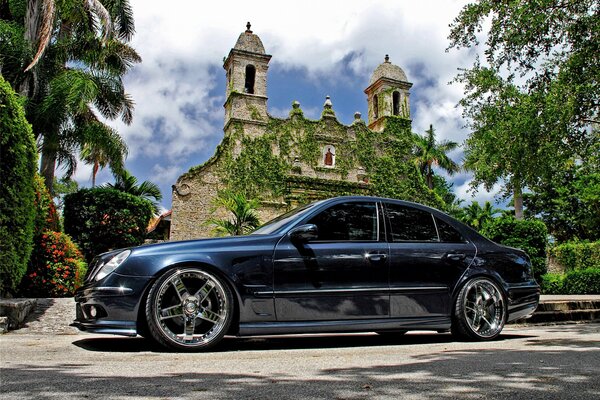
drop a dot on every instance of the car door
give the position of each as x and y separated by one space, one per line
343 274
427 257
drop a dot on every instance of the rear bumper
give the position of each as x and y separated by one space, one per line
522 301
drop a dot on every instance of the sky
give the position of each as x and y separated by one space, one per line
318 48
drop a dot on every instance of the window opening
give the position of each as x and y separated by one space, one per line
250 76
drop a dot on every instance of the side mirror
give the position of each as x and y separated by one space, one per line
304 233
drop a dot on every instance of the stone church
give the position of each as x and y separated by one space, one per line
291 161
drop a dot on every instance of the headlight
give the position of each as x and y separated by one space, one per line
112 264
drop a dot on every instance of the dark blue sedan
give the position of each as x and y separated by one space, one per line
347 264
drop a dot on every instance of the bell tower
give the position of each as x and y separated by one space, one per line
387 94
246 70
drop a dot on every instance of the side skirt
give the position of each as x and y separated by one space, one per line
368 325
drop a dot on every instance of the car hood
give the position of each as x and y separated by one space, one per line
212 244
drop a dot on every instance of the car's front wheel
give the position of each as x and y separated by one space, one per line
189 309
480 310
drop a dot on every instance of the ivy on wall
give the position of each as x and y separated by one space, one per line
264 166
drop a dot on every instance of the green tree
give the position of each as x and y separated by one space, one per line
525 130
74 75
243 217
106 148
18 162
147 190
477 216
429 153
569 204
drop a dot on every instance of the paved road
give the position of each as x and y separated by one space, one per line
545 362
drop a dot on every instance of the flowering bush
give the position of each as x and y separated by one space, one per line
56 267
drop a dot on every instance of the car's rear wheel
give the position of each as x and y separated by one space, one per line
189 309
480 310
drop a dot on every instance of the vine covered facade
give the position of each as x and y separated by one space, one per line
292 161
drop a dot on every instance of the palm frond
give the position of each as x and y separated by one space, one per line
44 32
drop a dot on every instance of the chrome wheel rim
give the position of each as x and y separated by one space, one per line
191 308
484 308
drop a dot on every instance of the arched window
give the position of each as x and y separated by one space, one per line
250 75
396 102
375 107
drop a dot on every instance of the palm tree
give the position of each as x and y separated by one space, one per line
128 183
429 153
476 216
104 148
81 56
243 217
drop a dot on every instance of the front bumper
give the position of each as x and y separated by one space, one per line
110 306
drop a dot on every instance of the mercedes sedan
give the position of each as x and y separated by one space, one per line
347 264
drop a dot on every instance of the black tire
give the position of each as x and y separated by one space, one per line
189 309
480 310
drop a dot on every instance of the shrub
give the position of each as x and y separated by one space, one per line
46 217
582 281
529 235
577 255
18 163
102 219
56 267
552 283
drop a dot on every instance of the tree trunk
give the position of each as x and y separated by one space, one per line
518 201
95 172
28 87
47 166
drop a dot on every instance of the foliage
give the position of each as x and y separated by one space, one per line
476 216
582 281
46 217
17 169
452 204
579 281
265 166
552 283
243 217
529 235
56 267
73 76
428 153
559 46
531 123
577 255
569 202
61 188
127 183
102 219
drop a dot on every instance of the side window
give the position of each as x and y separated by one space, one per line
447 233
347 221
411 224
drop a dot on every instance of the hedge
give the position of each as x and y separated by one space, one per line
18 163
103 219
578 281
529 235
577 255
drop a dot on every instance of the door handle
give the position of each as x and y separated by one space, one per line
375 257
456 256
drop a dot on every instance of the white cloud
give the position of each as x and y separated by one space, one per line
179 118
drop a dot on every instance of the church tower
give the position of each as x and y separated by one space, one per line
246 94
387 94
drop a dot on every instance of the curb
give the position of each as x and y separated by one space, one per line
13 312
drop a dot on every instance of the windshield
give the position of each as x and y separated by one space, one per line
277 223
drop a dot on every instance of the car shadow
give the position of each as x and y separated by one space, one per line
282 342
